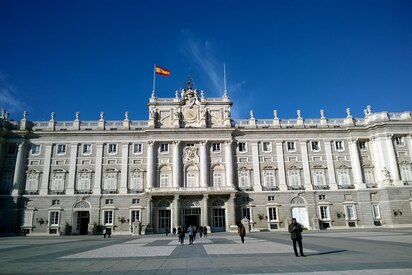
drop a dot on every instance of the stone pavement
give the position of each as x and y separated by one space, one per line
357 251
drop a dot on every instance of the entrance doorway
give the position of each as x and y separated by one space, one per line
301 215
218 220
164 220
191 216
83 220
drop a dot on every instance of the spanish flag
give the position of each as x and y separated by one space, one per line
162 71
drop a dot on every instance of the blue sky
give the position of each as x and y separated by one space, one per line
91 56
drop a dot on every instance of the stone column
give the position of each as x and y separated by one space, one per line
257 185
231 213
150 165
377 159
18 170
125 169
176 164
204 167
97 187
72 170
391 157
205 210
305 164
44 187
229 164
355 162
176 211
281 166
149 212
331 166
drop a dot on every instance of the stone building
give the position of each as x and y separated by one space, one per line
190 163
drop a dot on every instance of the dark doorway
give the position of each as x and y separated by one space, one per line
191 216
83 219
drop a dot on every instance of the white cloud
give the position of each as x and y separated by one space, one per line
9 98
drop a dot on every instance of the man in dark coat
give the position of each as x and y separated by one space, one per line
295 230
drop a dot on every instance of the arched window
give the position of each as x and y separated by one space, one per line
218 176
192 176
165 177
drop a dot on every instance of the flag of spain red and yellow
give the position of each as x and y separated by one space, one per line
162 71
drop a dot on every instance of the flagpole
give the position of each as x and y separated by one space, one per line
224 80
154 82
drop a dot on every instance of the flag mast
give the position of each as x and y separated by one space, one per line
224 81
154 82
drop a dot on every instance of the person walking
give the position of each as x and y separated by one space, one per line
295 230
104 232
191 234
200 231
205 231
241 230
109 232
181 235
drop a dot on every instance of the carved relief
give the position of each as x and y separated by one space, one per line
190 155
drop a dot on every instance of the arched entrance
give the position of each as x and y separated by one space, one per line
81 218
299 211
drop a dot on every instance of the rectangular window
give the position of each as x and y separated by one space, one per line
112 148
111 181
87 149
217 179
191 179
134 216
271 198
137 148
216 147
84 182
136 181
32 182
246 213
135 201
54 218
319 177
244 178
55 202
406 172
376 212
35 149
369 176
58 182
291 146
339 145
266 147
324 212
108 217
294 178
242 147
350 212
362 145
164 180
269 178
164 148
344 178
315 146
109 201
245 199
61 149
322 197
273 215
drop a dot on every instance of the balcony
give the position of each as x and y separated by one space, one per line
321 187
270 188
346 186
296 188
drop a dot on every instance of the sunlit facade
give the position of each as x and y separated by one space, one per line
191 163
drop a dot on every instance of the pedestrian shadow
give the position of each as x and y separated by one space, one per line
326 252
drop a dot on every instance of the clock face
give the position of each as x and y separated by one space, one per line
190 114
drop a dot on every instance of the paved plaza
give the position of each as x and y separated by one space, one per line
378 251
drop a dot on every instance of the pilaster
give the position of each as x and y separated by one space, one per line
44 187
18 170
150 165
281 166
176 209
355 162
305 164
330 164
393 164
177 168
204 171
229 164
205 210
72 169
257 185
98 170
125 169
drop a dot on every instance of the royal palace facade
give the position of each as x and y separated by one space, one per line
191 163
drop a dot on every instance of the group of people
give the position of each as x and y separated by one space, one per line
191 231
295 229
